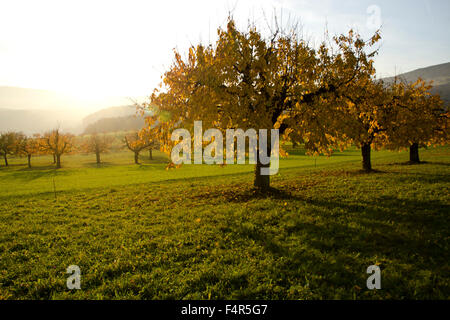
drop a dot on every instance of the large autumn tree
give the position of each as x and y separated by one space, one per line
248 81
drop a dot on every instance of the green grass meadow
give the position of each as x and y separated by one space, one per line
201 232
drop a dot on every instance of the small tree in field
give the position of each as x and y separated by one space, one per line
136 144
148 135
8 144
419 118
57 143
97 144
29 146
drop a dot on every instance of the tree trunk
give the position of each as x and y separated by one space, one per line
58 161
29 160
365 150
136 157
54 158
97 155
6 159
261 182
150 155
414 153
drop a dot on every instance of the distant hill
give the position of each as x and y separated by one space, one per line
127 123
31 121
114 119
111 112
439 74
38 121
35 111
37 99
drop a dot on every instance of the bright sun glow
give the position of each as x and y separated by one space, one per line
97 49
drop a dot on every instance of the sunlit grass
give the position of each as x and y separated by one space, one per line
199 232
118 169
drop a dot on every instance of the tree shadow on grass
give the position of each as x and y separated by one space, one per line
409 163
288 190
399 177
38 168
103 164
157 159
11 166
447 164
335 238
339 245
355 172
244 194
29 174
381 217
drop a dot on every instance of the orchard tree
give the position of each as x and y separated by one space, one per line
97 144
57 143
357 109
136 144
8 144
158 128
248 81
29 146
148 136
419 118
363 112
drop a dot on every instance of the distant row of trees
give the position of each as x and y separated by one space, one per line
57 143
18 144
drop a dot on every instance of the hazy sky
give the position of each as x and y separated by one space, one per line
95 49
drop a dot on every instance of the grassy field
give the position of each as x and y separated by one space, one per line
200 232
